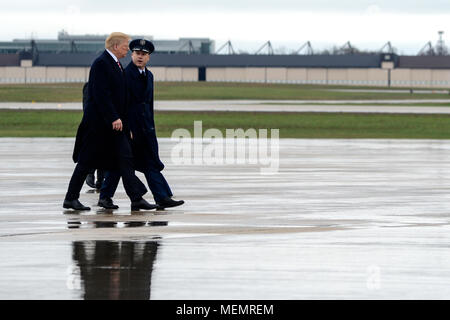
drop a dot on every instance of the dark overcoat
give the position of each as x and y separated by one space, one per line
106 102
141 119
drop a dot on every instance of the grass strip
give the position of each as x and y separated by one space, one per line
51 123
71 92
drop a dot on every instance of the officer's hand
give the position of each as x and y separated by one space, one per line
131 134
117 125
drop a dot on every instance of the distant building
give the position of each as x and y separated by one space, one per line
68 59
67 43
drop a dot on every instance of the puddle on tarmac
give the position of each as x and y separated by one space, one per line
76 224
112 269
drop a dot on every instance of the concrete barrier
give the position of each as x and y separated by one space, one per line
400 77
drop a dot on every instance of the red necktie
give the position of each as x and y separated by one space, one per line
120 66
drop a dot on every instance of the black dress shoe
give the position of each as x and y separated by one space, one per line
107 203
90 180
74 204
142 204
168 202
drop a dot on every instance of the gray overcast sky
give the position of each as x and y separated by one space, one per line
408 24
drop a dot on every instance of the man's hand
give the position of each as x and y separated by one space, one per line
117 125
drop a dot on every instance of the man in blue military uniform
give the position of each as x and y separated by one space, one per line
143 135
102 141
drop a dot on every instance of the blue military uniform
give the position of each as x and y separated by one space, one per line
142 126
141 118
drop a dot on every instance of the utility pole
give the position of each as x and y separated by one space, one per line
441 50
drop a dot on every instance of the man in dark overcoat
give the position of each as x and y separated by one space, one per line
102 140
142 126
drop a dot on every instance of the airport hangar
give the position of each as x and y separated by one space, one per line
68 58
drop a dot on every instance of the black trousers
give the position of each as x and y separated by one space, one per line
134 187
100 174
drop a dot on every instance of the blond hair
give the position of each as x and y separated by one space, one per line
116 38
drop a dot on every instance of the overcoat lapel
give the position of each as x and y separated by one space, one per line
149 89
112 62
134 74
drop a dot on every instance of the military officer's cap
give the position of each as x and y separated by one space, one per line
142 45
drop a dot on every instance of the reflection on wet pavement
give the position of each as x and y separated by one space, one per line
75 224
342 219
113 269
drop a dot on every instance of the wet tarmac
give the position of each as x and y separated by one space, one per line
367 106
341 219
